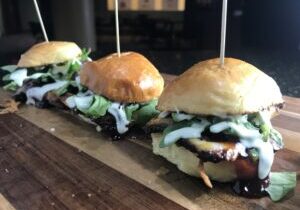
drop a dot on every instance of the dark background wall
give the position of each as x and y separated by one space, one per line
265 33
269 24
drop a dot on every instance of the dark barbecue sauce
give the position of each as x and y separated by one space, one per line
108 126
211 156
252 188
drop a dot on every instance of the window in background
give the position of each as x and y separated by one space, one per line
148 5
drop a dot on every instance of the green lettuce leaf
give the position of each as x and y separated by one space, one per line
98 108
85 54
145 113
12 86
276 136
281 183
265 131
171 128
74 68
254 155
64 89
9 68
6 77
130 109
59 71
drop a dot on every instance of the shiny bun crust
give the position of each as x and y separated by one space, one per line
130 78
46 53
208 89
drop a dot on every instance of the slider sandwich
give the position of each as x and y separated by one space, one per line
45 67
215 124
117 93
114 93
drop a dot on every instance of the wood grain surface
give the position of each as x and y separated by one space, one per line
40 171
93 163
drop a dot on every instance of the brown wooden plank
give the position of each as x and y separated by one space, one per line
292 104
125 156
75 179
172 183
21 189
17 184
4 204
287 122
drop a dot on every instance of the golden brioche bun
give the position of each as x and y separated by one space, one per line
130 78
46 53
208 89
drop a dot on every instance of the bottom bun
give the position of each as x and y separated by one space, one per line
188 162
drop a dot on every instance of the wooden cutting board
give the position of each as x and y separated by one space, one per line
52 160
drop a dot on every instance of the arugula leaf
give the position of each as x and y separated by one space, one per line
85 54
6 77
73 68
281 183
12 86
130 109
9 68
173 127
62 90
145 113
265 131
59 70
263 123
254 154
276 136
98 108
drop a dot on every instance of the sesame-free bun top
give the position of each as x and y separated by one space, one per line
46 53
129 78
209 89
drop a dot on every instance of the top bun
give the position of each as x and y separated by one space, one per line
129 78
46 53
209 89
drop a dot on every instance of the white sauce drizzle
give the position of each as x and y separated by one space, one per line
180 117
240 130
70 102
77 80
265 116
194 131
266 154
19 76
163 114
37 93
61 68
251 139
81 101
117 110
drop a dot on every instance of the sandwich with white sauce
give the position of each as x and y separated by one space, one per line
45 67
215 124
117 93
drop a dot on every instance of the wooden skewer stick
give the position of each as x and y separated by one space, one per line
41 20
117 27
223 32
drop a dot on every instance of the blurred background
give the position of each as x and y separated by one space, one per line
173 34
